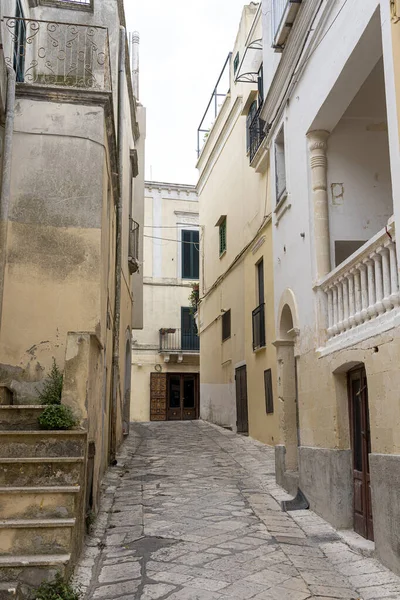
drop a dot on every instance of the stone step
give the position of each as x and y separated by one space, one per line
6 395
31 570
41 471
16 444
17 417
44 503
41 536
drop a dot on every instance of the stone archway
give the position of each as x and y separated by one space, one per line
287 385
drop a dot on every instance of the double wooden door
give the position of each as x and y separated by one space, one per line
242 412
174 396
361 446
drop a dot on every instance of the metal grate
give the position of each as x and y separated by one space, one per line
256 133
179 340
60 54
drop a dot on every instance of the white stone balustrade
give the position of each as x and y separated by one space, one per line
363 287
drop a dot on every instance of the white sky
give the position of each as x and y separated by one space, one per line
183 46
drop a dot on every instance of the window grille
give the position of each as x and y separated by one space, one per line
269 398
222 237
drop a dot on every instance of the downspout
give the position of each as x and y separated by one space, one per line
118 249
6 176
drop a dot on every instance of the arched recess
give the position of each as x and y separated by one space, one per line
288 328
127 381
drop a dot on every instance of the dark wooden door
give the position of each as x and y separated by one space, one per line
242 422
361 446
183 396
158 397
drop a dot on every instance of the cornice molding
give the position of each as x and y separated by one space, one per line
226 131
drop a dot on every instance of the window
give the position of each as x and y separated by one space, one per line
250 116
222 237
236 63
260 85
280 166
226 325
260 281
190 254
269 398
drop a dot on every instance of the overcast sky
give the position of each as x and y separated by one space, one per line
183 46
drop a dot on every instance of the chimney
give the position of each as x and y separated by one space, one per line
135 40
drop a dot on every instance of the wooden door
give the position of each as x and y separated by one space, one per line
361 447
242 422
158 397
183 396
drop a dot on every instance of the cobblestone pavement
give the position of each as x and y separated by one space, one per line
192 513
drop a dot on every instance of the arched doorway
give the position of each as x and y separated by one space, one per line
127 384
287 327
361 448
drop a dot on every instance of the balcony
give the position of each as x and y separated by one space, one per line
256 132
133 251
361 296
49 53
178 342
283 15
259 327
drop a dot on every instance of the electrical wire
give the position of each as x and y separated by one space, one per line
154 237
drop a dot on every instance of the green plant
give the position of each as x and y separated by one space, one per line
53 385
194 297
58 589
57 417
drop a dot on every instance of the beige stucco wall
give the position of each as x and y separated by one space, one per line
229 186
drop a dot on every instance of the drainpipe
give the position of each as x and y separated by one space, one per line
118 249
6 176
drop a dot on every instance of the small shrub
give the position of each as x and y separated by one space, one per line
57 417
59 589
53 385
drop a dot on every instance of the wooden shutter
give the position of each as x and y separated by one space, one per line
158 397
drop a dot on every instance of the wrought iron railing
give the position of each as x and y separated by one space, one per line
257 133
133 251
58 54
259 327
179 340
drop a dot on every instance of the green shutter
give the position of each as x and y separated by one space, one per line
222 237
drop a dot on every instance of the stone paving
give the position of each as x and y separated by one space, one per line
192 512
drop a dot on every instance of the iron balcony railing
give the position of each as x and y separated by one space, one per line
179 340
133 251
259 327
257 133
50 53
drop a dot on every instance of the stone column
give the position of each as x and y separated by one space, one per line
318 160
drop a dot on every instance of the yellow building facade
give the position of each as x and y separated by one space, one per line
236 312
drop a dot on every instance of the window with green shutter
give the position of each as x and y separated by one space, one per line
222 237
190 254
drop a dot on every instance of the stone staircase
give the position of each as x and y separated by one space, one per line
42 499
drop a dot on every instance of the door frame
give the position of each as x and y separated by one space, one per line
242 406
362 522
196 377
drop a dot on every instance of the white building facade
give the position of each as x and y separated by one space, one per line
332 139
166 353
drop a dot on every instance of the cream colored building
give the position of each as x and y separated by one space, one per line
332 139
165 359
72 143
236 314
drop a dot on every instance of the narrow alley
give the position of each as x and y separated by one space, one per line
192 512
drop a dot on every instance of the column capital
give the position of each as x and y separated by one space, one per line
317 139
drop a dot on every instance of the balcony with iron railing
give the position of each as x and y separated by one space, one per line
283 15
50 53
361 297
258 318
133 250
179 341
256 133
